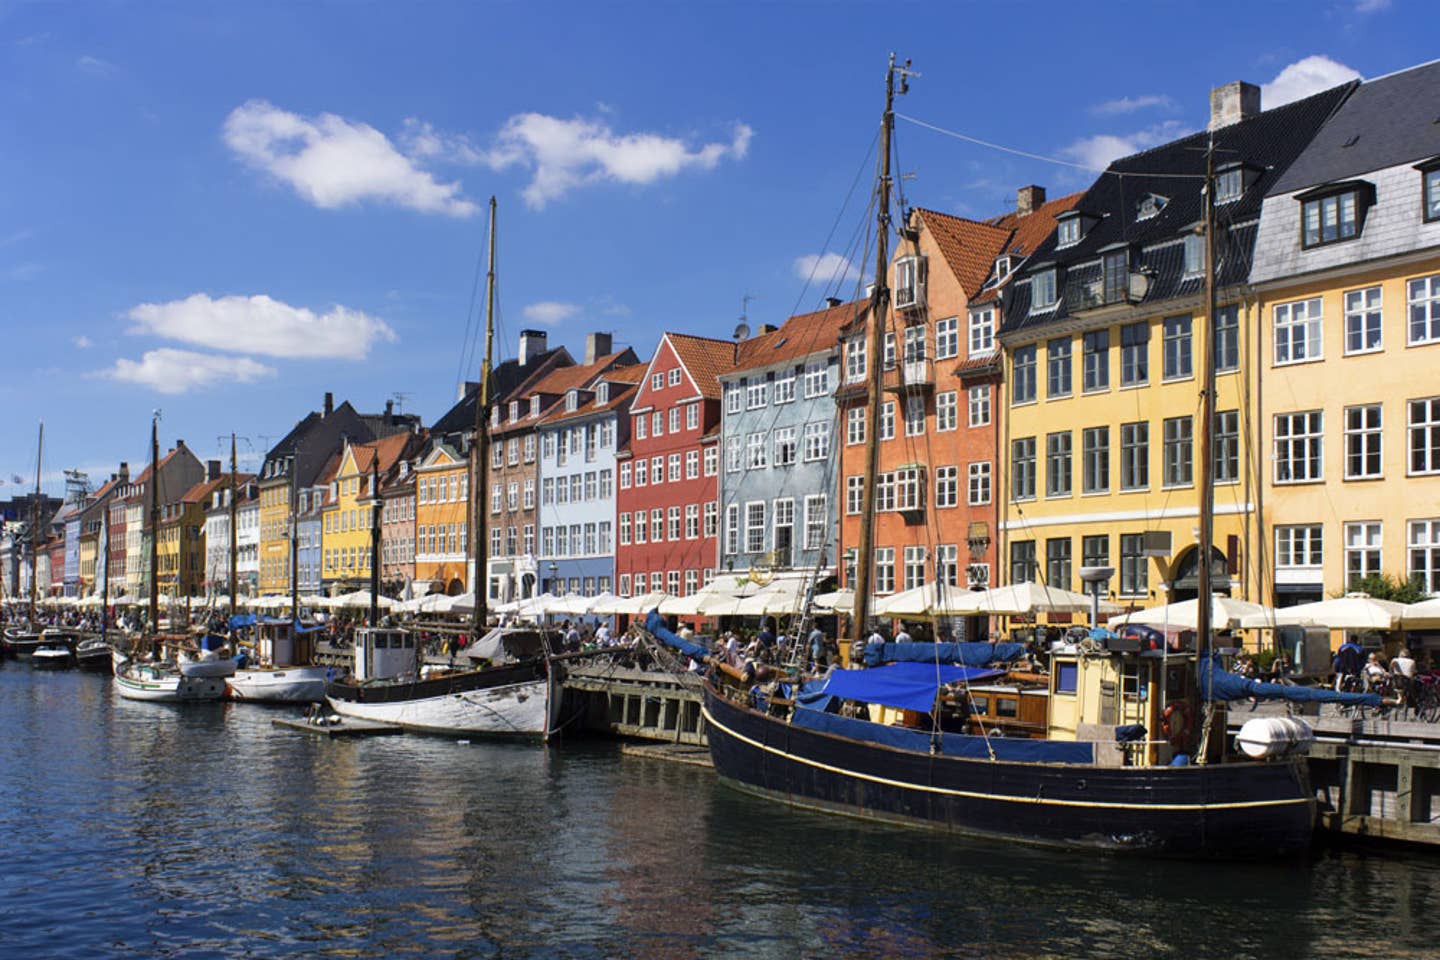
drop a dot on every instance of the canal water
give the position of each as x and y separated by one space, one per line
141 830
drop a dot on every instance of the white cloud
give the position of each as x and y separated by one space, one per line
1099 151
82 342
1371 6
95 65
260 324
180 371
333 162
566 154
550 312
826 269
1304 77
1132 104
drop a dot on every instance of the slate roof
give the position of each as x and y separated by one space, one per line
558 382
1267 143
1387 121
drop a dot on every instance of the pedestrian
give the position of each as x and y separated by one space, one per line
817 647
904 635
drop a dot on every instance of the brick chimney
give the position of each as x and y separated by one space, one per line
597 345
532 344
329 407
389 410
124 472
1028 200
1232 103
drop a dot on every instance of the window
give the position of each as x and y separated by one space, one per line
1363 442
1424 546
497 455
1058 456
639 427
887 420
914 568
1229 185
496 497
854 426
674 419
1042 290
1330 219
1134 565
785 387
1067 232
1179 452
657 381
1227 446
572 400
1134 456
1362 552
1134 354
711 512
1057 562
947 338
657 525
783 520
1095 361
527 498
909 486
732 529
1057 353
1116 269
979 402
979 484
732 398
817 440
657 425
1022 470
947 415
624 523
1431 189
1424 430
910 281
817 380
512 449
1095 459
657 471
1297 331
692 465
884 569
947 486
755 527
982 331
692 416
1423 307
674 377
1177 348
1298 546
914 416
1095 551
674 463
755 453
855 349
785 446
815 521
1194 256
1022 561
1362 320
712 461
1299 446
732 454
642 473
1022 375
1227 339
757 394
854 495
672 523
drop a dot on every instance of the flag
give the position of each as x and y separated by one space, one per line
16 478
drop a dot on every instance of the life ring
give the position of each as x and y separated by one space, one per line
1177 723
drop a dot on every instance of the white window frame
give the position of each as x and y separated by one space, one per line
1302 431
947 487
1422 437
1300 324
979 485
979 405
947 411
1364 320
1422 304
982 331
947 338
1364 541
1364 441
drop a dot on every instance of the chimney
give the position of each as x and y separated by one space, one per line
212 469
597 345
765 328
1028 200
124 472
389 409
1232 103
832 301
532 344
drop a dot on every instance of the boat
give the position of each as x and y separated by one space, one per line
52 655
93 655
917 737
21 643
161 681
275 670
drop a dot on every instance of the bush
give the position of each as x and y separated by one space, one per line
1383 586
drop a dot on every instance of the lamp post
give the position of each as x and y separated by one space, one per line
1095 579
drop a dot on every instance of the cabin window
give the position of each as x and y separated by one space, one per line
980 704
1067 676
1132 682
1007 708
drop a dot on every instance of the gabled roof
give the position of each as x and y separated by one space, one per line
388 449
560 381
1386 122
620 395
505 380
968 246
1029 231
203 489
800 336
705 359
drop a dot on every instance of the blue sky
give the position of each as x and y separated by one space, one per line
225 210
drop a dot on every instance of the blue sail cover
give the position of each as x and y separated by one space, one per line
242 620
1219 684
656 625
950 744
966 654
909 686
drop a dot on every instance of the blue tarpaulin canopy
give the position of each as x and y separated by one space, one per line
969 654
909 686
1217 684
656 625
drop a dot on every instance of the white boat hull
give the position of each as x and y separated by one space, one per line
528 709
281 685
143 681
208 668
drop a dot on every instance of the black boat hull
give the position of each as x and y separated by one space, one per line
1220 811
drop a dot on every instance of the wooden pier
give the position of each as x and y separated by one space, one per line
640 704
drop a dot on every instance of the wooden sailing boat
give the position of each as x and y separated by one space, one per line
22 642
518 696
1096 784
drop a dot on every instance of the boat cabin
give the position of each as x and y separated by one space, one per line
279 644
1006 709
384 652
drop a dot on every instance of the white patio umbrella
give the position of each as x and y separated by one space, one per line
600 603
841 601
925 600
781 597
1028 598
1226 613
639 605
536 606
571 605
1426 613
1354 611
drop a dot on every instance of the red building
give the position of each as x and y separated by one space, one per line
667 501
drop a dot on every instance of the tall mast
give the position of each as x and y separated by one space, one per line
295 537
480 452
1207 416
234 537
879 309
155 522
375 537
105 581
35 522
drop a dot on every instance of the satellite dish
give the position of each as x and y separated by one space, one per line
742 330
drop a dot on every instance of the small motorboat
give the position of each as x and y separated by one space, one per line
52 656
93 655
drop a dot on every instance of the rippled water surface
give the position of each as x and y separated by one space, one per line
132 829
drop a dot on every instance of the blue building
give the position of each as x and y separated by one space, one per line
578 441
779 437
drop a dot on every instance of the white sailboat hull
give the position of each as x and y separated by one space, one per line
281 685
528 709
140 681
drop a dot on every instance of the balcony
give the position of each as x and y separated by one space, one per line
910 376
1110 290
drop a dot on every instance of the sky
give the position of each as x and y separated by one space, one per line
222 210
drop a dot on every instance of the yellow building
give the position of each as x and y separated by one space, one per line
442 500
1105 341
275 533
1347 270
350 510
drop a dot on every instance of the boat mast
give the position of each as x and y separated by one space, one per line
295 537
234 537
1207 417
480 453
375 537
154 522
105 581
35 523
879 309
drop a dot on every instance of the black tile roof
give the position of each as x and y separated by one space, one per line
1267 143
504 380
1386 122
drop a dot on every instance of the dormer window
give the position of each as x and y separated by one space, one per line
1430 189
1151 205
910 282
515 409
1067 230
1229 184
1334 213
1194 255
572 400
495 416
535 406
1042 290
1002 267
602 393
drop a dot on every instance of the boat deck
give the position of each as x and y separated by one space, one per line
342 727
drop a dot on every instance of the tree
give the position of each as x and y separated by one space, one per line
1383 586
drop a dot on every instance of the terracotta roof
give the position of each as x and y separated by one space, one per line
800 336
1032 229
968 246
203 489
706 359
145 474
389 450
619 396
631 373
559 381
